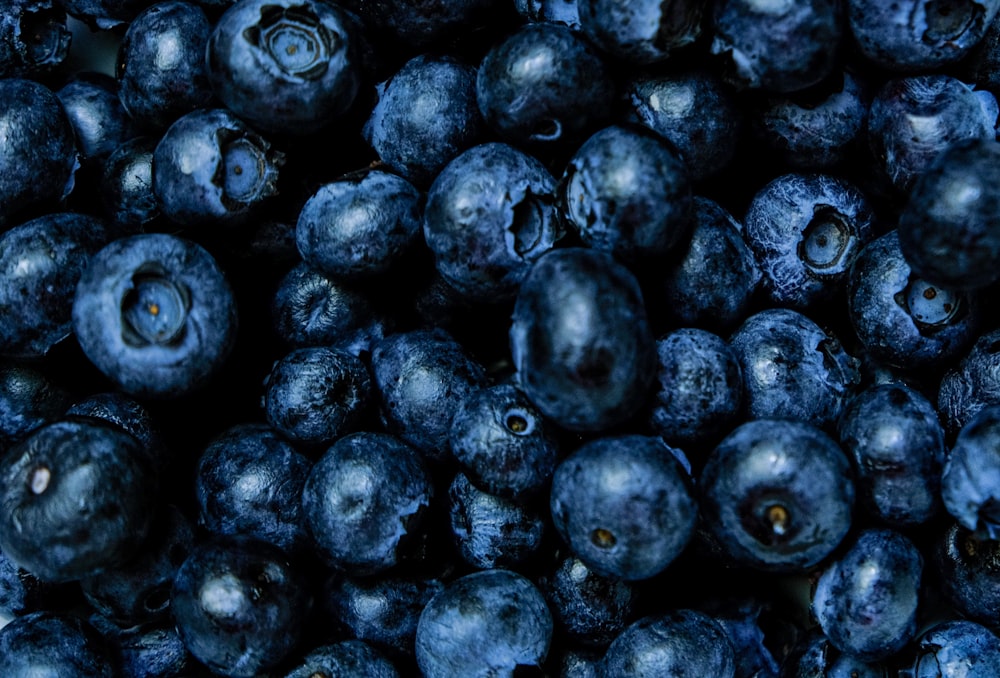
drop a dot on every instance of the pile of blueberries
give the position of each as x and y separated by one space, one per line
482 338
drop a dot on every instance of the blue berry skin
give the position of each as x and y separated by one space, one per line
360 225
970 480
209 167
949 229
980 64
624 505
913 35
416 25
744 619
901 135
866 600
146 651
815 135
365 496
126 185
76 497
544 86
759 45
138 591
955 649
699 388
425 116
490 531
816 657
312 309
382 611
968 572
693 110
131 416
240 607
105 14
423 377
777 495
155 314
805 231
793 368
40 156
29 399
161 68
287 66
314 395
972 384
54 644
101 124
41 262
644 32
490 214
588 608
488 623
902 319
22 593
711 285
671 644
502 442
560 11
34 38
346 658
581 340
627 191
249 481
898 445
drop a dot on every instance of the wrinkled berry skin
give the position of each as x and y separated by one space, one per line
249 481
423 376
759 47
161 64
712 283
588 608
957 649
34 38
624 505
543 86
972 384
41 262
346 658
897 442
671 645
239 605
210 168
805 231
792 368
40 155
425 116
359 225
101 123
484 624
917 35
902 319
490 214
76 497
970 481
628 192
581 341
914 119
777 495
641 32
147 650
286 66
364 496
155 314
968 569
503 443
54 644
949 229
866 600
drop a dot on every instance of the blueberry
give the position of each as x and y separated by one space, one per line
126 185
101 124
153 650
628 192
29 399
346 658
816 657
972 384
76 497
581 340
805 231
128 414
968 571
54 644
155 314
240 607
644 32
624 505
34 38
490 214
489 623
22 593
561 11
777 495
287 66
970 481
955 649
418 25
365 495
587 607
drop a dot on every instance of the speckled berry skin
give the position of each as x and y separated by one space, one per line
287 66
589 608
